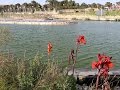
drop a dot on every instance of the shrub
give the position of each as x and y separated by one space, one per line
33 75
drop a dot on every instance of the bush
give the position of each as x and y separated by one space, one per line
33 75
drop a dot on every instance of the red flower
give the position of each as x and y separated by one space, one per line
108 62
81 39
103 64
103 60
94 65
49 47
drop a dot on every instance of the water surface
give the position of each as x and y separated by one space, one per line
102 37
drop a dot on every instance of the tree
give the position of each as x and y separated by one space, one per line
24 7
71 4
12 8
64 4
39 7
77 5
94 5
99 5
89 5
108 4
52 3
83 6
34 3
17 7
0 9
45 7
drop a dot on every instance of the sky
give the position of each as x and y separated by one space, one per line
3 2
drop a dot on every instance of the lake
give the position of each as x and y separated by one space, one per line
102 37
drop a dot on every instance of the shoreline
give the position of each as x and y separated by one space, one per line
55 19
49 22
36 22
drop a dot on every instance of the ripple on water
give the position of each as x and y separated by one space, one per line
101 37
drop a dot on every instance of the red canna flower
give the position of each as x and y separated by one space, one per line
108 62
49 48
103 60
103 64
81 39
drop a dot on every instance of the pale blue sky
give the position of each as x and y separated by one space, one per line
43 1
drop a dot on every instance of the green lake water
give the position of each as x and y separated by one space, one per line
102 37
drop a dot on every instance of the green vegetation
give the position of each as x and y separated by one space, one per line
33 74
113 13
57 5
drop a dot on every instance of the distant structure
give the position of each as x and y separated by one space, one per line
113 7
